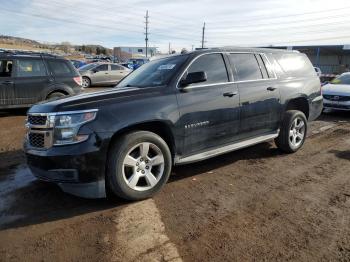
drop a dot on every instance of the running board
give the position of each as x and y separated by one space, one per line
225 149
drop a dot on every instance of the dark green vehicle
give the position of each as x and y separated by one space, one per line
27 78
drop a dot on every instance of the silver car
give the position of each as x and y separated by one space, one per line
102 74
336 94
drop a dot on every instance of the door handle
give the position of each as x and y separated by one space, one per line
270 88
230 94
7 83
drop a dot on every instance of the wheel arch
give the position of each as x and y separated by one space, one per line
88 77
158 127
57 91
299 103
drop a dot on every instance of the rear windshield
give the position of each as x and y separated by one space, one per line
87 67
295 64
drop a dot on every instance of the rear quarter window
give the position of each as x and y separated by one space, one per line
295 65
61 67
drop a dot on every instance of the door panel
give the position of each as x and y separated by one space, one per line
260 108
117 73
208 117
31 80
259 95
102 75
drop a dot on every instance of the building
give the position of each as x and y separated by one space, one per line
331 59
126 52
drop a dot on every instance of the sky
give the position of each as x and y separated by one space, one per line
179 22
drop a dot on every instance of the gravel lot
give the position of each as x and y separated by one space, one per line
253 204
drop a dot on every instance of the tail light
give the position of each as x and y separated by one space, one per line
78 80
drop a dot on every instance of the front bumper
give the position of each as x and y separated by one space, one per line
79 168
338 105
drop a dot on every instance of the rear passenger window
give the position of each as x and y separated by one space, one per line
213 65
60 67
30 68
116 68
247 67
5 68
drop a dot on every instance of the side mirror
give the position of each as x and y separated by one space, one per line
94 70
195 77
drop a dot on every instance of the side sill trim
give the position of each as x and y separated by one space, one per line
225 149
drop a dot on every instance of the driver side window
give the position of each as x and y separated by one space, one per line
213 65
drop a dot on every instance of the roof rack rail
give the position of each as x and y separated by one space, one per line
25 52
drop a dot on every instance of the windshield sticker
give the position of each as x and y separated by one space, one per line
166 67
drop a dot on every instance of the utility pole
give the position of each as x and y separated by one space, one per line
146 39
169 48
203 32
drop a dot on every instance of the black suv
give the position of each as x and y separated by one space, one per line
172 111
29 77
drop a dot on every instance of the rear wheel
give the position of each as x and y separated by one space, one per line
139 165
293 131
86 82
55 95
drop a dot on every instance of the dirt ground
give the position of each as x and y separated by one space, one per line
255 204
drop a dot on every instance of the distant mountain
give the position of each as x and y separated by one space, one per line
12 42
18 40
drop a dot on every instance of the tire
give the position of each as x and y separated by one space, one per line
86 82
55 95
133 175
293 131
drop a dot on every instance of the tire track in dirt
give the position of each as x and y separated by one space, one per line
268 194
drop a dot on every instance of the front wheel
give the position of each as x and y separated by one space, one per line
139 164
293 131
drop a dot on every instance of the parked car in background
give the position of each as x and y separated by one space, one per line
78 63
135 63
172 111
28 77
102 74
336 94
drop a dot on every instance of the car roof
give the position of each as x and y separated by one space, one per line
242 49
21 53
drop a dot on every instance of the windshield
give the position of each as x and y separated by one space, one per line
154 73
341 80
87 67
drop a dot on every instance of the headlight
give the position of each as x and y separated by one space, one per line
67 125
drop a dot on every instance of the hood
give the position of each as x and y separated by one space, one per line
92 100
339 89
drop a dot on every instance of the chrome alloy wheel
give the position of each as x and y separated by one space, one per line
86 82
297 132
143 166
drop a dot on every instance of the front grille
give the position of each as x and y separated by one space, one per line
36 140
37 120
337 98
